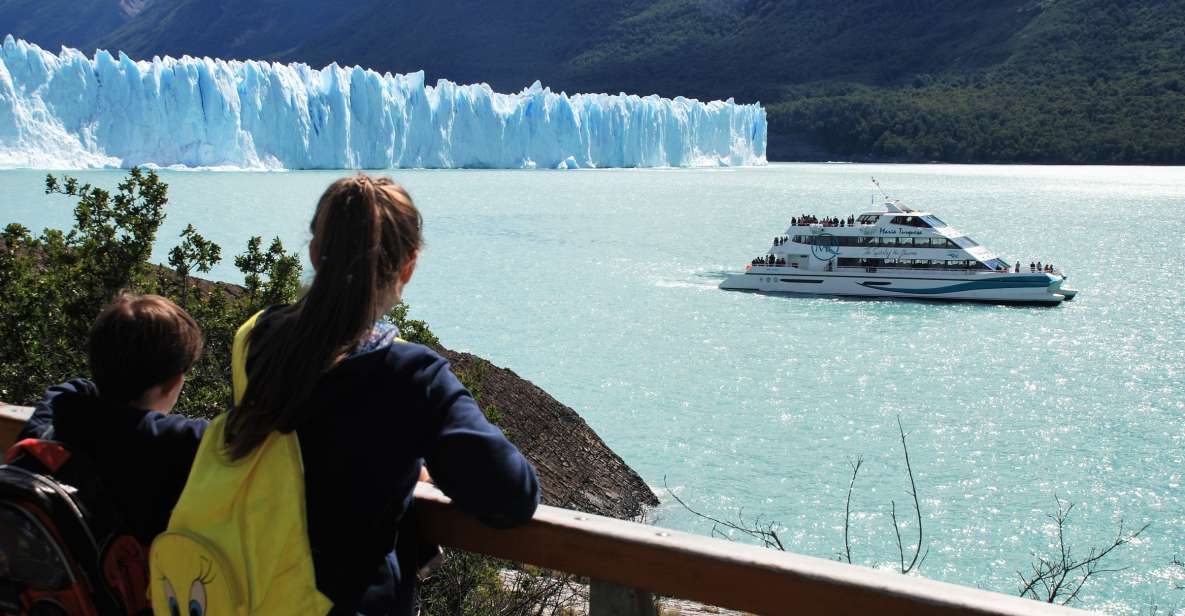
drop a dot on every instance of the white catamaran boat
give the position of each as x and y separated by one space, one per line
898 253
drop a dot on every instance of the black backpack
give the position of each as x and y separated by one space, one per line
61 552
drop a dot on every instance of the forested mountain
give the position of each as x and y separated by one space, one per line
952 80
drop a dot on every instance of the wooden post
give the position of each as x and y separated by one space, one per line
605 599
12 419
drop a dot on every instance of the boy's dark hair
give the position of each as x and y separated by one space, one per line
138 342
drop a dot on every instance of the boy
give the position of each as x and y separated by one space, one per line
139 350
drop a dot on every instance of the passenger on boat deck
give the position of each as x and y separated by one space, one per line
1039 268
1018 267
1032 266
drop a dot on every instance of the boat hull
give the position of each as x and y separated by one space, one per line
1035 288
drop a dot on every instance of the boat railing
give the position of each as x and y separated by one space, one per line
627 564
895 268
899 268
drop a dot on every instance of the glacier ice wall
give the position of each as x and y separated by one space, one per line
71 111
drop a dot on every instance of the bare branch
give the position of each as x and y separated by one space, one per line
765 534
847 510
897 532
1060 580
1180 564
917 507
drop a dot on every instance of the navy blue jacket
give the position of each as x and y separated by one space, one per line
143 457
379 416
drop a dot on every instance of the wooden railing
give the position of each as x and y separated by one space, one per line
627 562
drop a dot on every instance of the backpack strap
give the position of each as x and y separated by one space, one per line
51 454
238 357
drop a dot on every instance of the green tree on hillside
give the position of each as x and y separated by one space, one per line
56 283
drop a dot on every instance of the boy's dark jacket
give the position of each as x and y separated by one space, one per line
390 410
143 457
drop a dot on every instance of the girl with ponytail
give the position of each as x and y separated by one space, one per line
369 411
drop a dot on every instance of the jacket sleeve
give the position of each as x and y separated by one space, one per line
42 419
178 429
469 458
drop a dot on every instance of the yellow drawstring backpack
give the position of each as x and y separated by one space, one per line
237 542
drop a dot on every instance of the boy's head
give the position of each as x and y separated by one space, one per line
142 345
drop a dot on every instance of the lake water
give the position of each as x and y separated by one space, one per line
600 286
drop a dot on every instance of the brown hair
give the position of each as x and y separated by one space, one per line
364 231
138 342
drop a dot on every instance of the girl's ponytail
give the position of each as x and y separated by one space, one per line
364 231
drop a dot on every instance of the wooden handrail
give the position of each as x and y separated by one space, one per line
11 420
677 564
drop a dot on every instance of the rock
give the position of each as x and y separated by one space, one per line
576 468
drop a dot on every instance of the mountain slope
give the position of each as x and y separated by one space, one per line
52 23
242 29
954 80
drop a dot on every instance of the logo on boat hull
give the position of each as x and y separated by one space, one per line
824 248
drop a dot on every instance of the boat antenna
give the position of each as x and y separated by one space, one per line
878 187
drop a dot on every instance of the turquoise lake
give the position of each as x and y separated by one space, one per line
600 287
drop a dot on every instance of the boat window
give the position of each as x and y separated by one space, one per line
892 242
933 264
911 221
934 221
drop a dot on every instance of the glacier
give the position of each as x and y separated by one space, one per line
70 111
